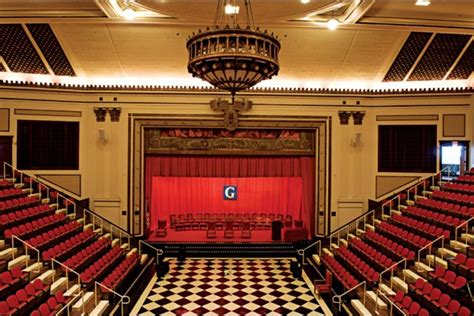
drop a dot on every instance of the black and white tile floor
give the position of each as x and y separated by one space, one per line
230 287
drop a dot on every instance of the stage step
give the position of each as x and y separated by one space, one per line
228 250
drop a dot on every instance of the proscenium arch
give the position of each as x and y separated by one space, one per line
321 125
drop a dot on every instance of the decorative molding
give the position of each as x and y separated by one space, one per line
100 114
68 182
231 110
420 117
4 120
454 125
344 117
278 90
387 184
204 141
358 117
114 114
35 112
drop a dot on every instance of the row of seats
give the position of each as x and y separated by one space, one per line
55 235
101 266
438 302
5 184
380 260
413 241
11 193
462 265
360 266
391 247
52 305
421 227
453 197
459 187
24 299
32 228
439 219
17 204
115 278
447 279
62 249
12 280
83 258
345 277
466 178
15 218
446 207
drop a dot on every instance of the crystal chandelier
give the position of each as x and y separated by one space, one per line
230 56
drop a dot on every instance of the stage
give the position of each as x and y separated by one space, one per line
201 236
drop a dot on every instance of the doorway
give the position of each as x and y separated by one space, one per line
6 153
453 158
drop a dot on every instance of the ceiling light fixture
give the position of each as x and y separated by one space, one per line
423 3
305 1
129 14
233 57
332 24
231 9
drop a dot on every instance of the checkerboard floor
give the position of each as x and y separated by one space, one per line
230 287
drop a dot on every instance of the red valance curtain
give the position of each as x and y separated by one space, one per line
237 167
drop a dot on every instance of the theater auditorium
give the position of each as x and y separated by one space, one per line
236 157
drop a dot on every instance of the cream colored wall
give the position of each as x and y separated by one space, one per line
104 165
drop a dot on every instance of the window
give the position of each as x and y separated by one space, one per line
47 145
407 148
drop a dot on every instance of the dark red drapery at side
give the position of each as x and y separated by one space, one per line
237 167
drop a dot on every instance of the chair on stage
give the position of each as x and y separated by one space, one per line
188 221
246 230
203 222
288 223
298 223
161 228
173 221
238 221
211 230
196 222
280 217
229 229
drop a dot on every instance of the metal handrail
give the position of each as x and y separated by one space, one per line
26 245
68 269
349 228
302 252
397 197
111 225
159 252
71 302
391 268
430 247
122 300
465 223
338 298
5 164
67 200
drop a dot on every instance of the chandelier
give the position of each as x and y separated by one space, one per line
232 57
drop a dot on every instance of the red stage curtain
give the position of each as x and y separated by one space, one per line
237 167
182 195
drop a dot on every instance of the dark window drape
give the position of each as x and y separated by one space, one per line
407 148
235 167
48 145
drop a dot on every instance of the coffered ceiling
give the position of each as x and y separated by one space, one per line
379 42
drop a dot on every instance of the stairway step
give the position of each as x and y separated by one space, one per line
468 237
411 276
317 259
61 211
131 252
8 253
45 201
327 251
334 246
18 261
421 267
87 226
351 236
372 296
360 231
459 246
387 290
377 221
99 231
410 202
369 227
34 267
441 262
395 212
59 285
343 242
402 207
400 284
86 304
385 217
447 253
360 308
73 290
125 246
47 277
100 308
115 242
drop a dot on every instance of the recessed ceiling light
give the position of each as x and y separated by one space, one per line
423 3
129 14
231 9
305 1
332 24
